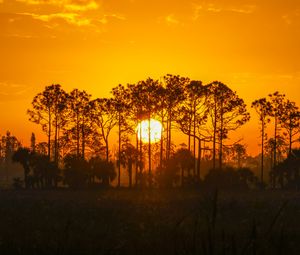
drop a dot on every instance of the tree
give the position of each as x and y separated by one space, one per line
22 156
192 116
104 170
185 161
280 146
10 145
33 143
167 175
121 102
45 173
80 129
143 96
264 110
290 122
277 101
174 85
76 171
247 177
239 153
227 112
229 179
127 159
48 110
104 117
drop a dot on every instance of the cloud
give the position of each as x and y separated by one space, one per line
246 9
106 18
70 18
68 5
214 8
73 12
291 18
22 36
169 20
12 91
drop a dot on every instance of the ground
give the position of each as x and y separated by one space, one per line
149 222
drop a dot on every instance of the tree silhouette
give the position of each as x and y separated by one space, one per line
185 161
143 96
264 110
229 179
277 101
22 156
48 110
127 159
105 118
33 143
121 101
290 122
103 170
227 113
76 171
239 153
191 118
280 146
174 85
46 174
80 121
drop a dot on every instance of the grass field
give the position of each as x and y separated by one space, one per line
149 222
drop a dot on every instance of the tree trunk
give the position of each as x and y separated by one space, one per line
275 142
49 136
290 139
107 149
161 143
130 174
120 142
77 135
199 160
214 136
221 139
262 151
56 141
149 152
167 140
83 139
136 159
194 113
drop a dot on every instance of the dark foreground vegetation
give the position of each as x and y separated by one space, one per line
149 222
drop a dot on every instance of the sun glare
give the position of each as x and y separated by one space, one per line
155 131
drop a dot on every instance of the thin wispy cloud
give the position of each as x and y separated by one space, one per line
105 19
13 91
70 18
291 18
169 20
68 5
215 8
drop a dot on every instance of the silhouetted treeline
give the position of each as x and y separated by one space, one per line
79 129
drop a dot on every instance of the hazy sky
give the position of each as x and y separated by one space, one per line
251 45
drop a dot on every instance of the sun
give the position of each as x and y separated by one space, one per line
155 131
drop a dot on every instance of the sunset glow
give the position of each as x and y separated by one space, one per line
155 131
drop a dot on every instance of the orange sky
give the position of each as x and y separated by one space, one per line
251 45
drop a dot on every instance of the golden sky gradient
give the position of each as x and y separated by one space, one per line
251 45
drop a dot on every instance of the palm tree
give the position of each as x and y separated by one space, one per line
22 156
104 170
127 158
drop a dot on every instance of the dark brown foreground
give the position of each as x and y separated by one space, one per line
149 222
